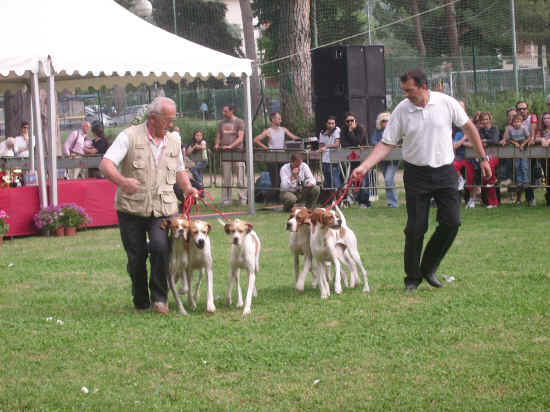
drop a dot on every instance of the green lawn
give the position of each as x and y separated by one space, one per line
480 343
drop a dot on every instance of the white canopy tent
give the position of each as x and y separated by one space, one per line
79 43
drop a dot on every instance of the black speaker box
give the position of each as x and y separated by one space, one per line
349 79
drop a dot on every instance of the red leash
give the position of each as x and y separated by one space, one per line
354 182
190 203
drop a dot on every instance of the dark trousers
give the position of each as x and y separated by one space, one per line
133 232
274 170
421 184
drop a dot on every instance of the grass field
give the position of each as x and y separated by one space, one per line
480 343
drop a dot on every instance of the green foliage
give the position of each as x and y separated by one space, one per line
336 19
479 24
200 21
504 101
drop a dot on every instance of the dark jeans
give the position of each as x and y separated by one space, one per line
133 232
421 184
274 170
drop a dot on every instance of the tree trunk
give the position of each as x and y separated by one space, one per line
17 108
250 50
450 11
295 71
421 47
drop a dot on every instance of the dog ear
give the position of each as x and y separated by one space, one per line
248 227
226 227
164 224
292 211
209 226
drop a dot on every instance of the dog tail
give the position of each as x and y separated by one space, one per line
221 222
342 217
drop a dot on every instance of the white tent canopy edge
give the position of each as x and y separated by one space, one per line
54 42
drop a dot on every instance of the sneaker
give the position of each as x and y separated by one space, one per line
471 204
491 206
532 202
363 206
460 183
506 182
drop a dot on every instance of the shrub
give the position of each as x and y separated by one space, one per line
48 218
72 215
4 226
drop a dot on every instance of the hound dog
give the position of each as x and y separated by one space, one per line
298 225
245 254
179 254
324 248
351 257
200 258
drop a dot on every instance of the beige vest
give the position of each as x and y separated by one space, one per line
155 196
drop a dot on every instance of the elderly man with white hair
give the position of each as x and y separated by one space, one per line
6 147
144 162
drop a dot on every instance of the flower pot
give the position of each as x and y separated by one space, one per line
70 231
45 231
60 231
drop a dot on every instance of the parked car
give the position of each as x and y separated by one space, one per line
129 114
107 120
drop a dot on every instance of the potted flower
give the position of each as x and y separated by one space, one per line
48 220
4 227
73 217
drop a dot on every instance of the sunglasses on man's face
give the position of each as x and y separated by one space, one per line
350 120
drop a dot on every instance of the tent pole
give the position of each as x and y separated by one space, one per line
43 196
249 153
32 138
52 155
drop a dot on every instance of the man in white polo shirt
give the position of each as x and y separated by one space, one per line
424 120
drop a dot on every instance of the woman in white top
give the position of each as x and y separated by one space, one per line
275 141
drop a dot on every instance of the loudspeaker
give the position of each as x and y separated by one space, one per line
349 79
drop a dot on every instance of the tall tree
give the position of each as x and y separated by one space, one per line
250 50
295 80
452 29
532 25
202 22
421 47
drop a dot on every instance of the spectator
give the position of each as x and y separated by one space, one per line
275 141
329 139
530 123
7 147
543 137
230 136
298 183
490 136
354 135
389 167
460 142
144 162
74 147
518 136
506 173
22 142
198 144
97 146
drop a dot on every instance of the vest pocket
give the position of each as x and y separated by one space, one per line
169 203
139 166
131 203
171 171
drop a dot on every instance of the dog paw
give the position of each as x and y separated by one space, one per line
366 289
228 301
211 308
338 290
240 304
300 288
246 311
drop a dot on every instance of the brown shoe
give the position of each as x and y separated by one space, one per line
160 307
